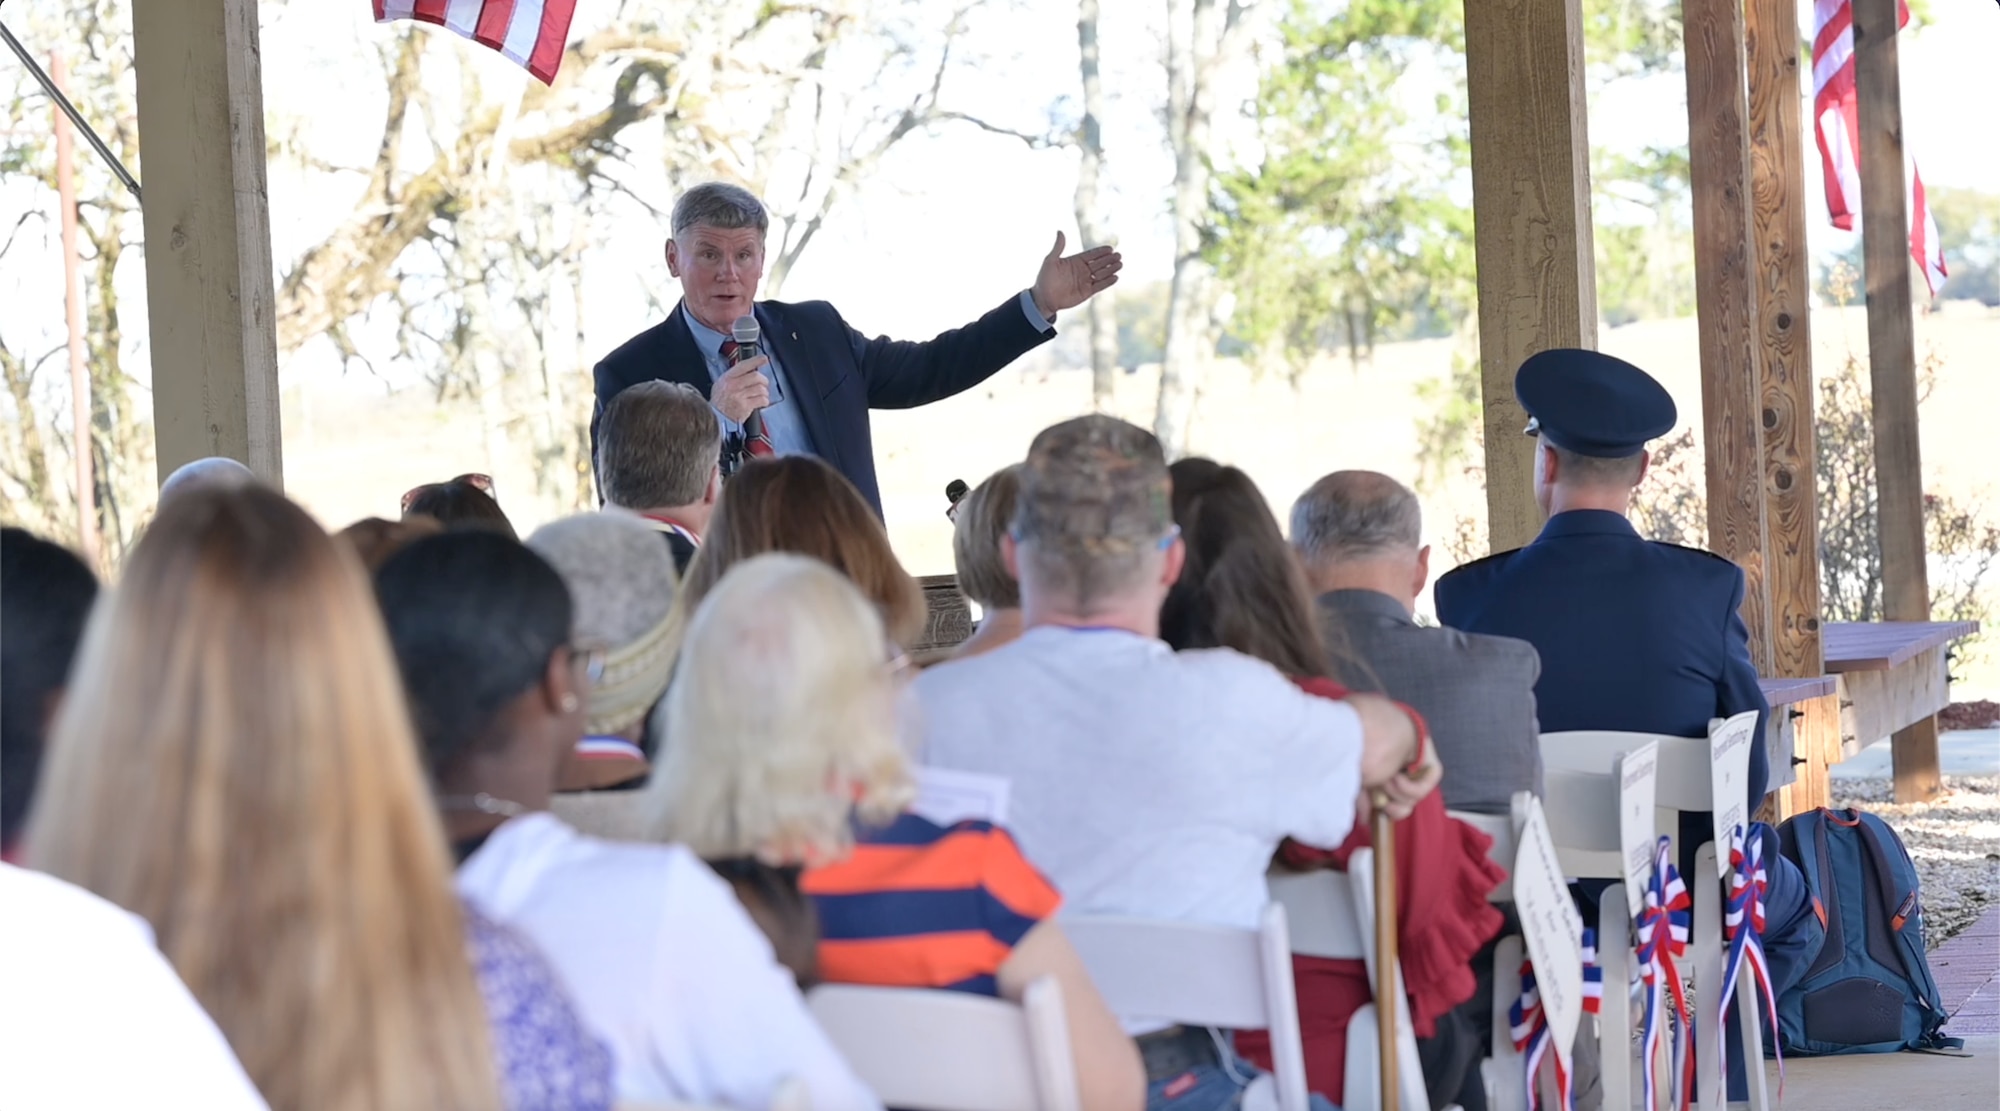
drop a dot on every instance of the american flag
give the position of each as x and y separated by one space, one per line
530 33
1836 119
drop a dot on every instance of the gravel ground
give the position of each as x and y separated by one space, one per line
1954 841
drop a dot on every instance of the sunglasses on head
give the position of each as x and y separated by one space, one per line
480 482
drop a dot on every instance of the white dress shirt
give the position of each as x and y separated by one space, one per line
664 963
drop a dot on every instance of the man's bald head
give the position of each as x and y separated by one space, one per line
1361 529
216 472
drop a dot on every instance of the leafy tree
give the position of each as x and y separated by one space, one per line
1969 229
1348 229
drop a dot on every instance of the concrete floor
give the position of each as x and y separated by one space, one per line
1895 1081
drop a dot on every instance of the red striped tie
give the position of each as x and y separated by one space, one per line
756 442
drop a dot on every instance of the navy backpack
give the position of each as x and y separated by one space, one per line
1870 990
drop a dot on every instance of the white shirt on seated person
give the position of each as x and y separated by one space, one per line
664 964
91 1015
1145 782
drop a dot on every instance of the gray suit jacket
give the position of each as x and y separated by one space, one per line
1476 692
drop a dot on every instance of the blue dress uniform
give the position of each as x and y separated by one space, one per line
1634 635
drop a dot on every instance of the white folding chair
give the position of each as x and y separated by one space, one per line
1582 810
1331 915
792 1095
934 1050
1505 830
1501 1071
1198 975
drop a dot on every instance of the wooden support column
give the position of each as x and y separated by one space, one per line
1531 217
208 242
1726 305
1783 288
1892 362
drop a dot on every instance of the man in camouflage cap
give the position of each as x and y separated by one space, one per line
1147 783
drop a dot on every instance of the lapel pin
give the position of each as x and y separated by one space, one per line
795 335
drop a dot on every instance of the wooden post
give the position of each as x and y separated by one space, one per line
1726 301
81 442
1783 288
208 242
1892 361
1531 218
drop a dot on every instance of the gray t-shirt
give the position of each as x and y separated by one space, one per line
1146 782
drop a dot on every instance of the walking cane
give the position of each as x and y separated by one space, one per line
1384 833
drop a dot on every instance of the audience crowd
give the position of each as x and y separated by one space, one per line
424 816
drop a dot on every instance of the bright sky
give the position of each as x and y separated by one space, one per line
951 223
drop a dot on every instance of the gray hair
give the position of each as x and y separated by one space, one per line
658 444
621 580
718 204
1355 515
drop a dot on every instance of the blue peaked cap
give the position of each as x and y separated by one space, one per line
1592 404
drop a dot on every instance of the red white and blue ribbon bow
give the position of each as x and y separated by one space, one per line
1530 1023
1531 1038
1662 938
1742 931
1593 975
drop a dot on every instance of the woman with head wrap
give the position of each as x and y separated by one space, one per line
621 580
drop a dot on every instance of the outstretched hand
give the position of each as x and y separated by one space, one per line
1065 283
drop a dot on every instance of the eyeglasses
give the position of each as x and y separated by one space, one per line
480 482
1534 427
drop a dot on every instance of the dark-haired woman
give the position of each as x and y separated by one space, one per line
658 955
45 594
467 501
1242 588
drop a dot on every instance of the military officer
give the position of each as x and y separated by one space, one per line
1634 635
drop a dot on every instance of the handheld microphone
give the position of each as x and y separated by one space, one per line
746 334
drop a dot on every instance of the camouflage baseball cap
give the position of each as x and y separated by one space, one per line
1094 486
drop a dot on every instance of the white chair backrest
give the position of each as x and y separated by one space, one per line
1320 913
1582 812
1684 782
1200 975
933 1050
1505 830
1332 916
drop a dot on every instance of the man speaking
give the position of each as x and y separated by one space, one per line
813 378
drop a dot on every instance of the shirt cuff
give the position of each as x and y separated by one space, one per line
1034 315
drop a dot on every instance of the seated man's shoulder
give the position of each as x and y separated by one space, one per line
1498 652
1698 563
1472 576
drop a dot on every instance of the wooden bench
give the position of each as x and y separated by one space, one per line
1892 682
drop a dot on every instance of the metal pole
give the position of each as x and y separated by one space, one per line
55 92
79 376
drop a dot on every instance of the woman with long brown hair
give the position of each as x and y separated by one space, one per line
1242 588
234 764
798 503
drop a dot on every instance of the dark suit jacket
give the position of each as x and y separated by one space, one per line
1634 635
836 373
1477 693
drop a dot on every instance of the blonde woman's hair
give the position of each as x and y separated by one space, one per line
781 719
234 764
